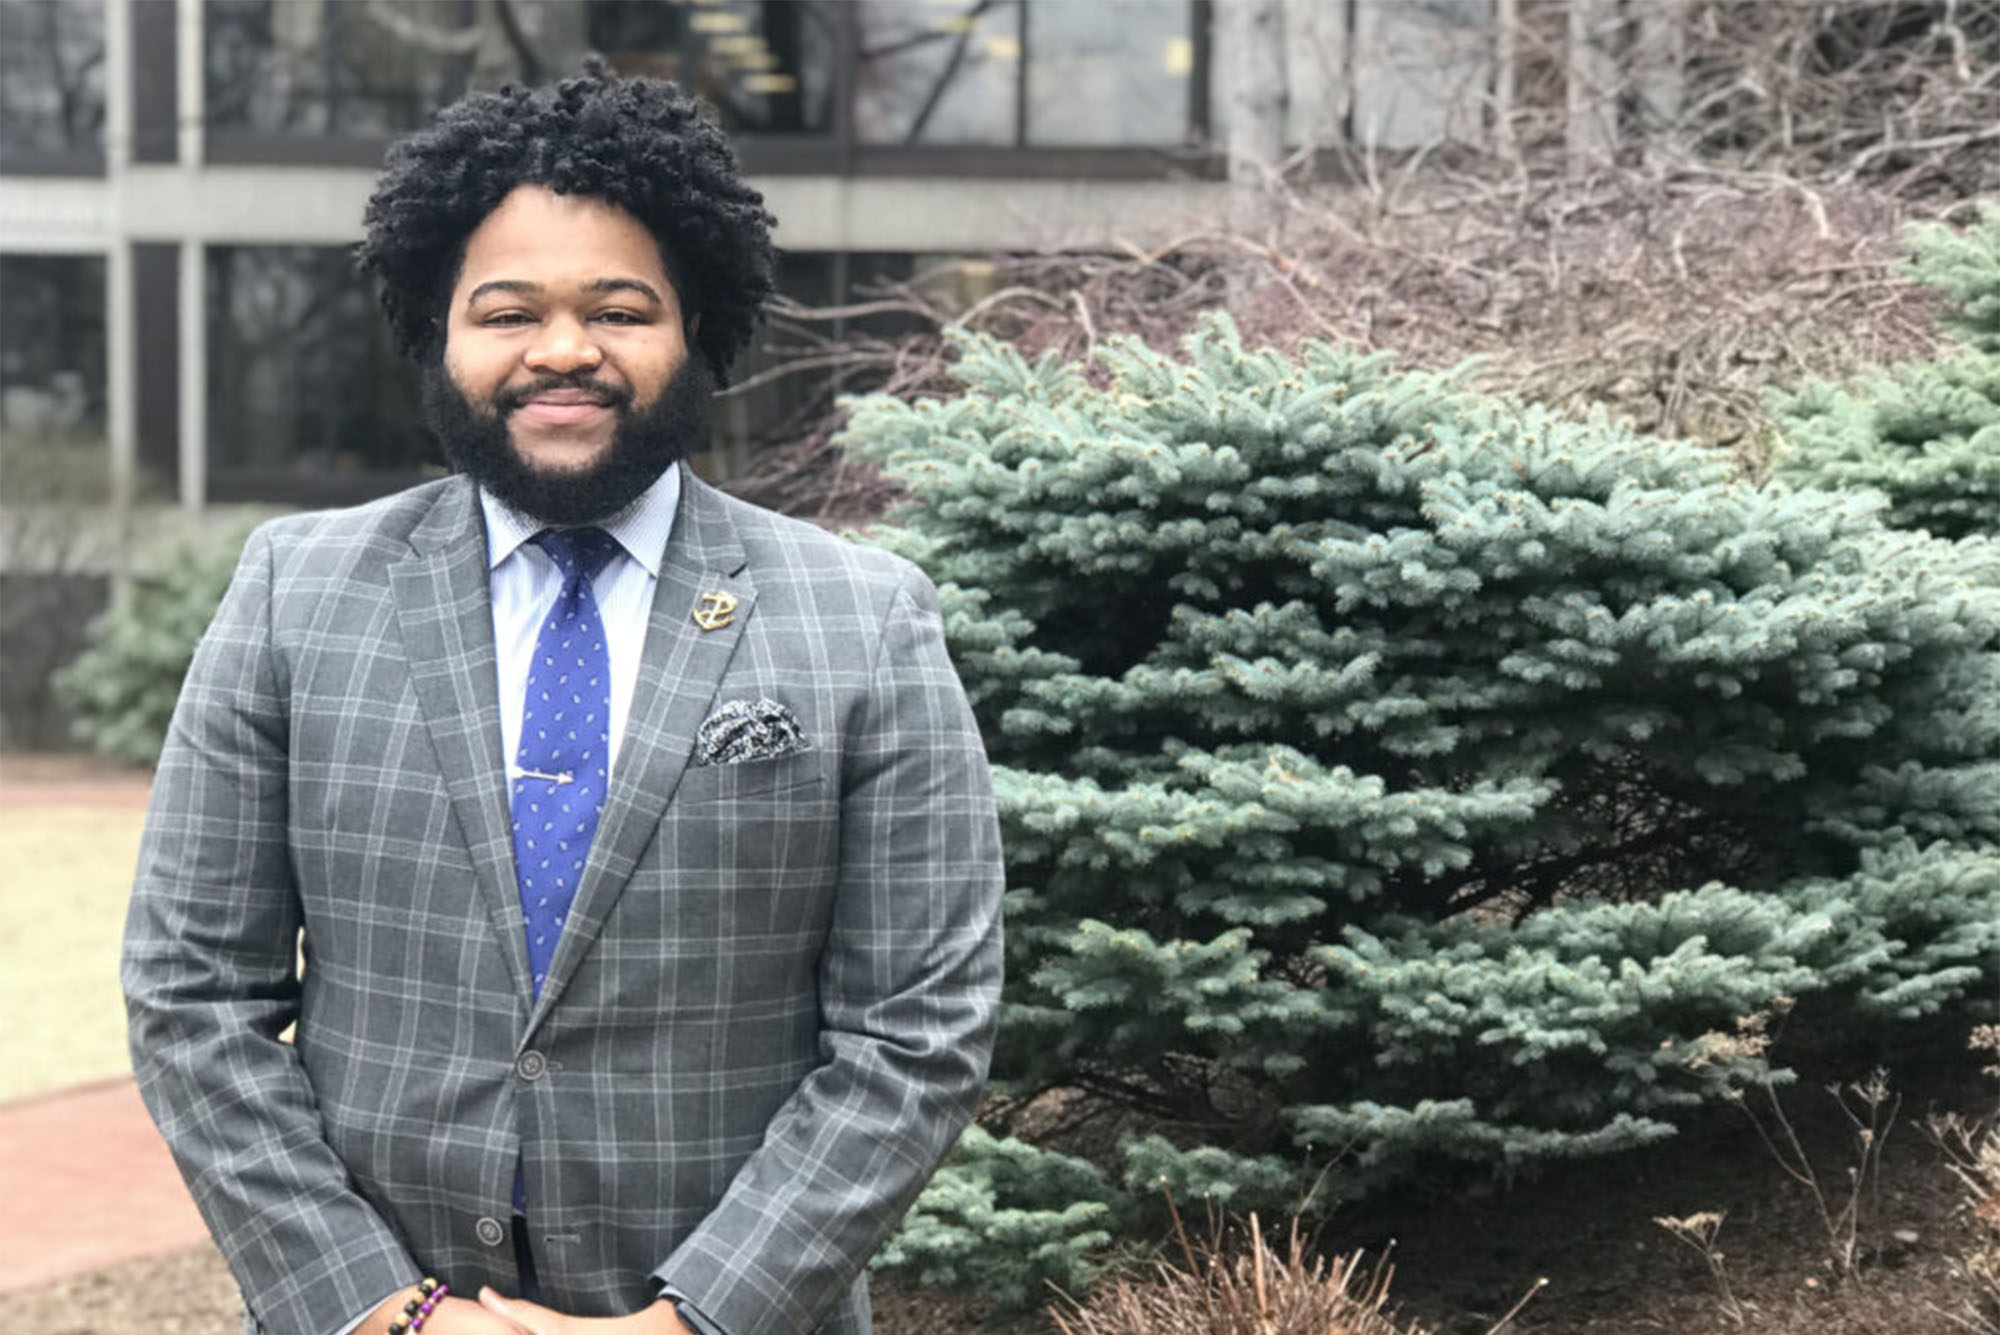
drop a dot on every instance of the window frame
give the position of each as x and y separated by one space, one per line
73 160
838 152
226 482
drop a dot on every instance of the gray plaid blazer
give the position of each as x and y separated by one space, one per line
772 1006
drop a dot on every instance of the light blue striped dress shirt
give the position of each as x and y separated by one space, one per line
525 582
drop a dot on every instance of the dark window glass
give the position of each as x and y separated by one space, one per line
766 66
937 73
51 81
308 402
307 398
1102 73
368 69
769 403
371 69
1113 72
52 418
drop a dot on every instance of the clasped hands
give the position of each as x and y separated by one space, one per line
495 1315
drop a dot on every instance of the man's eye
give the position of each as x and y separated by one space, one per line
617 316
507 317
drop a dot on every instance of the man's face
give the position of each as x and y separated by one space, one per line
567 386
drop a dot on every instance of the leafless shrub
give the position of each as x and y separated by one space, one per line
1972 1149
1905 93
1845 1201
1671 301
1700 1232
1731 221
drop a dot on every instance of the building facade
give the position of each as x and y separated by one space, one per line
181 185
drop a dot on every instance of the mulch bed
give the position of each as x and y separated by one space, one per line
186 1293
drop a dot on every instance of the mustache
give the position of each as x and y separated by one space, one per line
509 397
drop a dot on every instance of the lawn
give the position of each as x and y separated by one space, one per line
65 873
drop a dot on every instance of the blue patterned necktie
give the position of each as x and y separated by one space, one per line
560 770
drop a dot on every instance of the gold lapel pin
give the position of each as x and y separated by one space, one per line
715 610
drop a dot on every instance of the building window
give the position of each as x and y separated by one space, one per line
373 69
370 69
1020 73
768 67
309 404
767 403
52 417
307 400
1003 73
932 74
1109 74
52 85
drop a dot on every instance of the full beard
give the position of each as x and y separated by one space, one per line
644 444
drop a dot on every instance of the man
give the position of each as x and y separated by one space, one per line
640 843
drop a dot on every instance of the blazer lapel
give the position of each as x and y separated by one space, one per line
444 606
679 673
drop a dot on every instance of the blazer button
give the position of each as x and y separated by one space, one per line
490 1232
530 1065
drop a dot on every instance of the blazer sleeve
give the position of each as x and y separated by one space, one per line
909 984
211 982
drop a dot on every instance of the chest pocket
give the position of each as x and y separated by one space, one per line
746 856
790 777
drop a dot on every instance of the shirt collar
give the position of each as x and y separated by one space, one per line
641 528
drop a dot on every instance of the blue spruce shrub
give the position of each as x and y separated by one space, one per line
1394 777
1926 434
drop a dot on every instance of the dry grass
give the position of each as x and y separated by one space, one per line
65 875
1256 1292
1225 1289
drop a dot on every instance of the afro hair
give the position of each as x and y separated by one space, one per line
641 144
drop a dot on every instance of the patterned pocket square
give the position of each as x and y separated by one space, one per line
741 730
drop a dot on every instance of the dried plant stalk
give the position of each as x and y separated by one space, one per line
1219 1290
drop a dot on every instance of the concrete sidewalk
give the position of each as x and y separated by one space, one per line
88 1183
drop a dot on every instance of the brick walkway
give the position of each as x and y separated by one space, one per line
89 1184
66 780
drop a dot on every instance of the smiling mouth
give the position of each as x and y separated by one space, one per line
562 412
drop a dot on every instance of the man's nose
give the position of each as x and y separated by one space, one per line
565 346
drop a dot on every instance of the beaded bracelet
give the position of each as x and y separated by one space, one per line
416 1311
